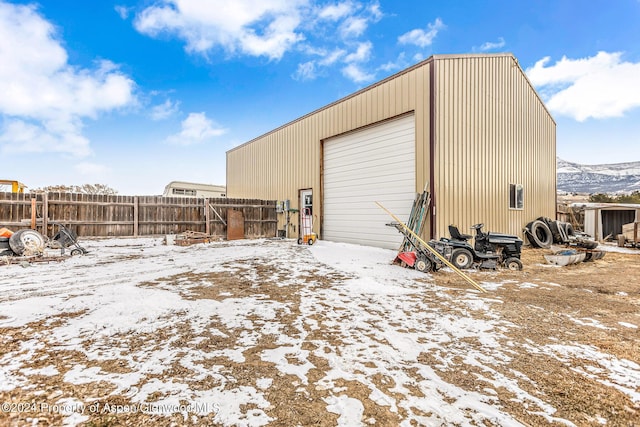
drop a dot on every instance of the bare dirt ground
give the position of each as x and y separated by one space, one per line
605 293
525 369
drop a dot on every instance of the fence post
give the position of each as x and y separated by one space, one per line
135 216
207 217
33 213
45 213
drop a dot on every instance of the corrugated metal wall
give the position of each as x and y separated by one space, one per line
278 164
492 130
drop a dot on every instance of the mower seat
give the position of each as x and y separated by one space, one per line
456 235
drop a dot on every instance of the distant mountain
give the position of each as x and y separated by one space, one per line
608 179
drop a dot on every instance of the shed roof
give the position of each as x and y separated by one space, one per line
607 206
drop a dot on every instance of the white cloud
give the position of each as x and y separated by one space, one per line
357 74
306 71
362 53
259 28
264 28
310 70
600 86
44 99
335 12
123 11
354 26
398 64
164 110
420 37
18 136
333 57
486 46
196 128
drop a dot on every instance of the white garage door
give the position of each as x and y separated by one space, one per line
376 164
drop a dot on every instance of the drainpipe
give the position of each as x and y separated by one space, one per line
432 145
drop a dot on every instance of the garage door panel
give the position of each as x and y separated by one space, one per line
358 145
370 185
372 149
397 162
375 164
343 195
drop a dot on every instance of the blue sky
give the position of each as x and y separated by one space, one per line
137 93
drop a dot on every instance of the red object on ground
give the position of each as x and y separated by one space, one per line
5 232
409 258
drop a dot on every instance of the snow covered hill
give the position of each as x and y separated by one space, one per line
611 178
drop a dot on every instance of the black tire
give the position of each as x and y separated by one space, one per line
587 244
310 241
461 258
563 232
513 264
4 243
27 242
77 251
299 240
568 228
423 264
539 234
546 220
557 231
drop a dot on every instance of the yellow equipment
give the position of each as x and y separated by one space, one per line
16 186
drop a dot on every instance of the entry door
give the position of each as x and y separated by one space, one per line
306 212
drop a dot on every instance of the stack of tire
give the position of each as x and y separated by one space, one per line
543 232
21 243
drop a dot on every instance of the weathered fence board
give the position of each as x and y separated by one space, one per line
112 215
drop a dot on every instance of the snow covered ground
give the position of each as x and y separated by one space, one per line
266 332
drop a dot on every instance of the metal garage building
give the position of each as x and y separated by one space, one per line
469 128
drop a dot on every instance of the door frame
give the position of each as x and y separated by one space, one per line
301 193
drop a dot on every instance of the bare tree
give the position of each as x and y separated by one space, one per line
94 189
81 189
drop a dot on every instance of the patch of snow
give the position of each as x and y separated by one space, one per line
628 325
349 409
278 356
621 374
383 322
586 321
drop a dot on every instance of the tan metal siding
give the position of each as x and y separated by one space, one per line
492 130
278 164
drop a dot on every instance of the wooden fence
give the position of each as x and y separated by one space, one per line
108 215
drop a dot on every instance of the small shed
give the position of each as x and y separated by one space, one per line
605 220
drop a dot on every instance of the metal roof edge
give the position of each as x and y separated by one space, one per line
420 64
365 89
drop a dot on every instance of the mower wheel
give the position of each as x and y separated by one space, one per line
78 251
310 241
423 265
461 258
299 240
513 264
